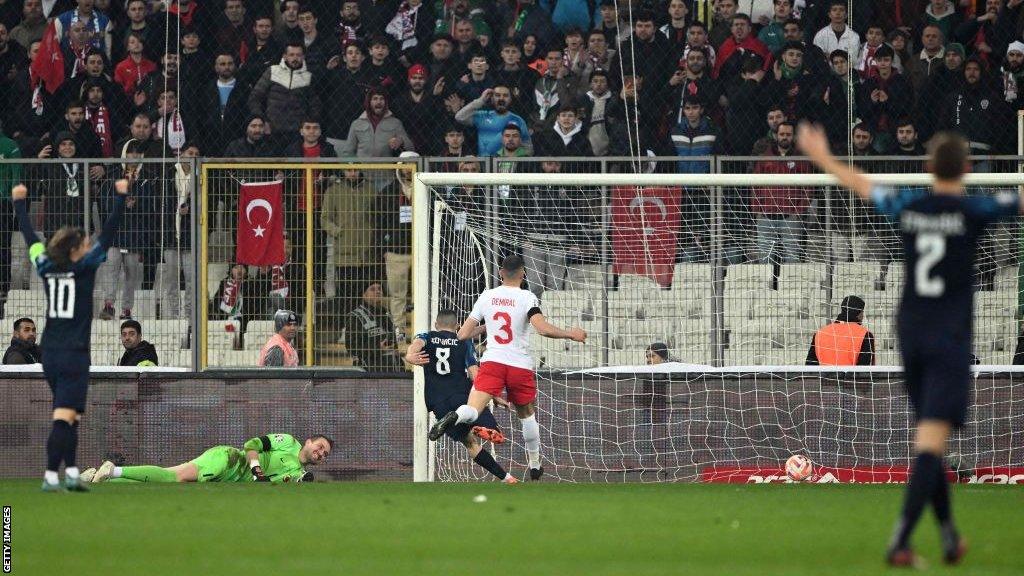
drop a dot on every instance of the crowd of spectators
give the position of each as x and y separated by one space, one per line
574 78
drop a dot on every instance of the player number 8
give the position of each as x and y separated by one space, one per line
444 367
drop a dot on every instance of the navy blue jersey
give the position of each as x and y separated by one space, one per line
68 290
940 243
447 373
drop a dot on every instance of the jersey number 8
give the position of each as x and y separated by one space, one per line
62 297
443 367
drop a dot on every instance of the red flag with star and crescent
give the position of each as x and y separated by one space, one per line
645 222
260 234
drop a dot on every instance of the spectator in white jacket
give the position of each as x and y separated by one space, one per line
837 35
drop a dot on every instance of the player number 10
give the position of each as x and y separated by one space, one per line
62 297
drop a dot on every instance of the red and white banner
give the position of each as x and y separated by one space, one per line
855 475
260 236
645 222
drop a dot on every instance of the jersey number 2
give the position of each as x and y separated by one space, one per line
931 248
506 328
62 297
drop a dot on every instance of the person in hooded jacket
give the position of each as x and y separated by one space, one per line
377 132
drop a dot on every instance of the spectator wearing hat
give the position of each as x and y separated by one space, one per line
137 352
63 184
255 143
491 123
837 35
343 89
844 342
979 112
377 132
884 98
1012 76
421 109
279 351
370 334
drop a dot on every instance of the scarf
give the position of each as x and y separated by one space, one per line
547 97
99 117
1011 83
185 17
183 184
231 300
175 135
403 26
790 73
278 282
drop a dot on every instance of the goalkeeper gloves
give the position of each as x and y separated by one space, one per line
257 472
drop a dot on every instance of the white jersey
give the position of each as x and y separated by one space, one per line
505 312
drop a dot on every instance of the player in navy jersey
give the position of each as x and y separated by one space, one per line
940 231
67 264
449 367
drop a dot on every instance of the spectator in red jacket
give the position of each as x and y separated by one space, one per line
135 66
730 53
780 210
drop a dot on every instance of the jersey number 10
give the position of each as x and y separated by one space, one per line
61 297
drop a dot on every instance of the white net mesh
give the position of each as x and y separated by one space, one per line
722 276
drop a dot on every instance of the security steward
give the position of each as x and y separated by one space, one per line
845 342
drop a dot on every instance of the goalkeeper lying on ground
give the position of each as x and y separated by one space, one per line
270 458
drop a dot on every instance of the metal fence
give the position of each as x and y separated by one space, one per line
739 294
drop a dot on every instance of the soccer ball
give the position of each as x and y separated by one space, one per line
799 468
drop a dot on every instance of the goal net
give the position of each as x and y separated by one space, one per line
723 283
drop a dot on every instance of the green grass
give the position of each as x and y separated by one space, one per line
541 529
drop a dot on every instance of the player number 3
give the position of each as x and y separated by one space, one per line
506 327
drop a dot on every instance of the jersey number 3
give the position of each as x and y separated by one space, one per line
61 297
505 328
931 248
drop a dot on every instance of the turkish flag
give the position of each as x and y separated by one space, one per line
48 65
260 237
645 222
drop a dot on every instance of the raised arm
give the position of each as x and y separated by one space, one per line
549 330
19 196
470 329
813 141
114 220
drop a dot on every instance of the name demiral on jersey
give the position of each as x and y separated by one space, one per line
947 224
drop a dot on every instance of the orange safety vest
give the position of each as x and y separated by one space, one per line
291 357
839 343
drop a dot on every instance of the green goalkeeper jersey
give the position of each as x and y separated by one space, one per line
279 456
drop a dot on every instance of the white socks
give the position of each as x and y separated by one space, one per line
71 473
466 414
51 477
531 437
116 473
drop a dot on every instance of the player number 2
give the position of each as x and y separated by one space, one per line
62 297
443 366
931 248
506 328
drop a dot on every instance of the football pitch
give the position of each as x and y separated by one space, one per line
543 529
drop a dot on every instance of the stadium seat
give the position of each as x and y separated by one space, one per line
688 276
853 278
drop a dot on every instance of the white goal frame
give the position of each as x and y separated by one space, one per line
423 262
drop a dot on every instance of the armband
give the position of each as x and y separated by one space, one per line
533 311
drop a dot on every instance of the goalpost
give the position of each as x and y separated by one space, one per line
733 273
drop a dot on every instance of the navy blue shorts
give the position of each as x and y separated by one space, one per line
460 431
937 373
67 373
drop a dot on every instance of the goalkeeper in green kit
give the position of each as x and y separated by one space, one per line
270 458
